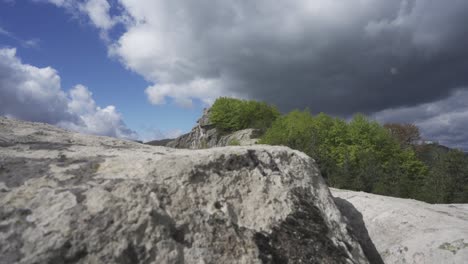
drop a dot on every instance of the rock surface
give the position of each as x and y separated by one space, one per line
408 231
205 135
73 198
160 142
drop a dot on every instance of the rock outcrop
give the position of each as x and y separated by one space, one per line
205 135
406 231
73 198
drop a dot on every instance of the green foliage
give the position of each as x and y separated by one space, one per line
359 155
293 130
229 114
448 179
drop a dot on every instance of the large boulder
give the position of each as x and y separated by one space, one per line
73 198
406 231
205 135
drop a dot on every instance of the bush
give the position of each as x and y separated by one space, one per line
229 114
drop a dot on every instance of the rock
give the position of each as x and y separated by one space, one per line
73 198
245 137
205 135
407 231
160 142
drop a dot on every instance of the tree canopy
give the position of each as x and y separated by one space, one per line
359 155
230 114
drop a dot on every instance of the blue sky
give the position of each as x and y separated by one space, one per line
73 47
145 69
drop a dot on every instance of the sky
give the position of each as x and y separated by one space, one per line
146 69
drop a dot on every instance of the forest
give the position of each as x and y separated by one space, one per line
360 154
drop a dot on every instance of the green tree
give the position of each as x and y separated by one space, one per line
448 179
359 155
294 130
230 114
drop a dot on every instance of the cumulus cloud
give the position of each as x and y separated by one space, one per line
31 93
445 120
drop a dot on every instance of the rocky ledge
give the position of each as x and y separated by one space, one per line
405 231
73 198
205 135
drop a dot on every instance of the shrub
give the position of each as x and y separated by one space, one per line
230 114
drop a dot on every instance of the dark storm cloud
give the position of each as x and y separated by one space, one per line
368 68
334 56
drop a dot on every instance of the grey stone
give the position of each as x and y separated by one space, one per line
205 135
406 231
88 199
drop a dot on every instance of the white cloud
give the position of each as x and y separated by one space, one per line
98 12
445 121
182 93
31 93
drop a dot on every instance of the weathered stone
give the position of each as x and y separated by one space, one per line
205 135
406 231
87 199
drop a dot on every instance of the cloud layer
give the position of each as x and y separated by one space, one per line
31 93
445 120
334 56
